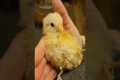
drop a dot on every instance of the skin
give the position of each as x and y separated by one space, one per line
43 70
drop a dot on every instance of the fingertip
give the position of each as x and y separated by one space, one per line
58 6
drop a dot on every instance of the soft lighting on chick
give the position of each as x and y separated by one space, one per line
62 49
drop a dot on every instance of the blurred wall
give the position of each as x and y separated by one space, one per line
110 11
9 16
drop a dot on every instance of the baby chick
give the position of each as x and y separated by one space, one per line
62 49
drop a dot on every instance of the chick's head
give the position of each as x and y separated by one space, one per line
52 23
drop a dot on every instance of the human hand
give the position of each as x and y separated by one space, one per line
44 71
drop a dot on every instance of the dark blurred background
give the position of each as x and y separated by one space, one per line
9 17
110 11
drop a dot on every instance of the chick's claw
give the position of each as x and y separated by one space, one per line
59 77
60 73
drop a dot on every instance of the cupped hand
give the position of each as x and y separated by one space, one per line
43 70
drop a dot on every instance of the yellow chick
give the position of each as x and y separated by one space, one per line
62 49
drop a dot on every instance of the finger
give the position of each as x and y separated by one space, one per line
51 74
40 69
59 7
39 52
45 72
